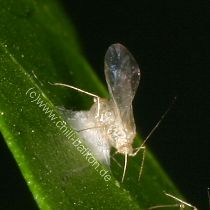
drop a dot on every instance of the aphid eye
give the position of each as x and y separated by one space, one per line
108 114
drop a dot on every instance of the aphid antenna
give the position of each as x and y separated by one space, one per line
142 146
182 203
208 192
159 122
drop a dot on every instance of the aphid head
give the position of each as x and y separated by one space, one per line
125 149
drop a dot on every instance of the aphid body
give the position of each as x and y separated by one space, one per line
110 123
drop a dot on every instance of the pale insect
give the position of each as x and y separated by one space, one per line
181 204
110 123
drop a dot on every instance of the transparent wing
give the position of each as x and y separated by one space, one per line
122 76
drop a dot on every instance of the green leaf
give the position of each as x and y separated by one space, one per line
38 45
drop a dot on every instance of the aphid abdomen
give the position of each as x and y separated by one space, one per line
84 122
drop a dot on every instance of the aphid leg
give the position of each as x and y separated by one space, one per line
182 204
142 162
143 158
35 76
208 190
96 98
166 206
116 160
125 166
84 129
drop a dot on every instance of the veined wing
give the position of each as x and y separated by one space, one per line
122 76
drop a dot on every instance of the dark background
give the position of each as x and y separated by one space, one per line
169 40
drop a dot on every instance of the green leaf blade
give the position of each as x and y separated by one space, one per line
38 46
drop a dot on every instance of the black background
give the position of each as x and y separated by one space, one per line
169 40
